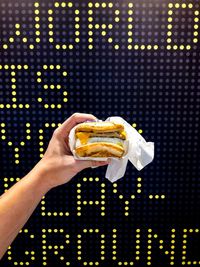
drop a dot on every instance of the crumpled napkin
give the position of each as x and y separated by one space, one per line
138 151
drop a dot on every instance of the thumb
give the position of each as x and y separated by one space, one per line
83 164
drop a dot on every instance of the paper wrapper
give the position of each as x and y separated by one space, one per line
137 151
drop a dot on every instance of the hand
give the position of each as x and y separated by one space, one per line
58 165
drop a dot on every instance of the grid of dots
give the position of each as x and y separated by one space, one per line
137 60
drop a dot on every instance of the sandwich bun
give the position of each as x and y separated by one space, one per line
100 139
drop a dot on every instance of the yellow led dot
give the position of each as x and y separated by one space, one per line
31 46
190 5
36 11
11 40
5 46
97 4
63 4
169 26
24 40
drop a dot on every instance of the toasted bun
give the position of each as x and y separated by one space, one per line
99 127
100 149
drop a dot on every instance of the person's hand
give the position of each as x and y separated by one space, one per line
58 165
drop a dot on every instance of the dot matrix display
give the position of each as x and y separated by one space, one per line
138 60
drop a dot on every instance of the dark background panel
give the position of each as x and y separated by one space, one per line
138 60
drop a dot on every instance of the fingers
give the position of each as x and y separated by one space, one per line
76 118
83 164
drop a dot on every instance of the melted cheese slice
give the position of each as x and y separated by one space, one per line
123 134
83 137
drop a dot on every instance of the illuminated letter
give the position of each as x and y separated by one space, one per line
81 201
57 249
136 250
81 246
28 254
170 252
187 232
103 27
13 103
52 87
13 144
58 32
19 30
170 26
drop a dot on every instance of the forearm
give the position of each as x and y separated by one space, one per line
17 204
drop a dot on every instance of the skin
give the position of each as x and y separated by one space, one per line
57 167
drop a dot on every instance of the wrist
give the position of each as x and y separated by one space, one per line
40 175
